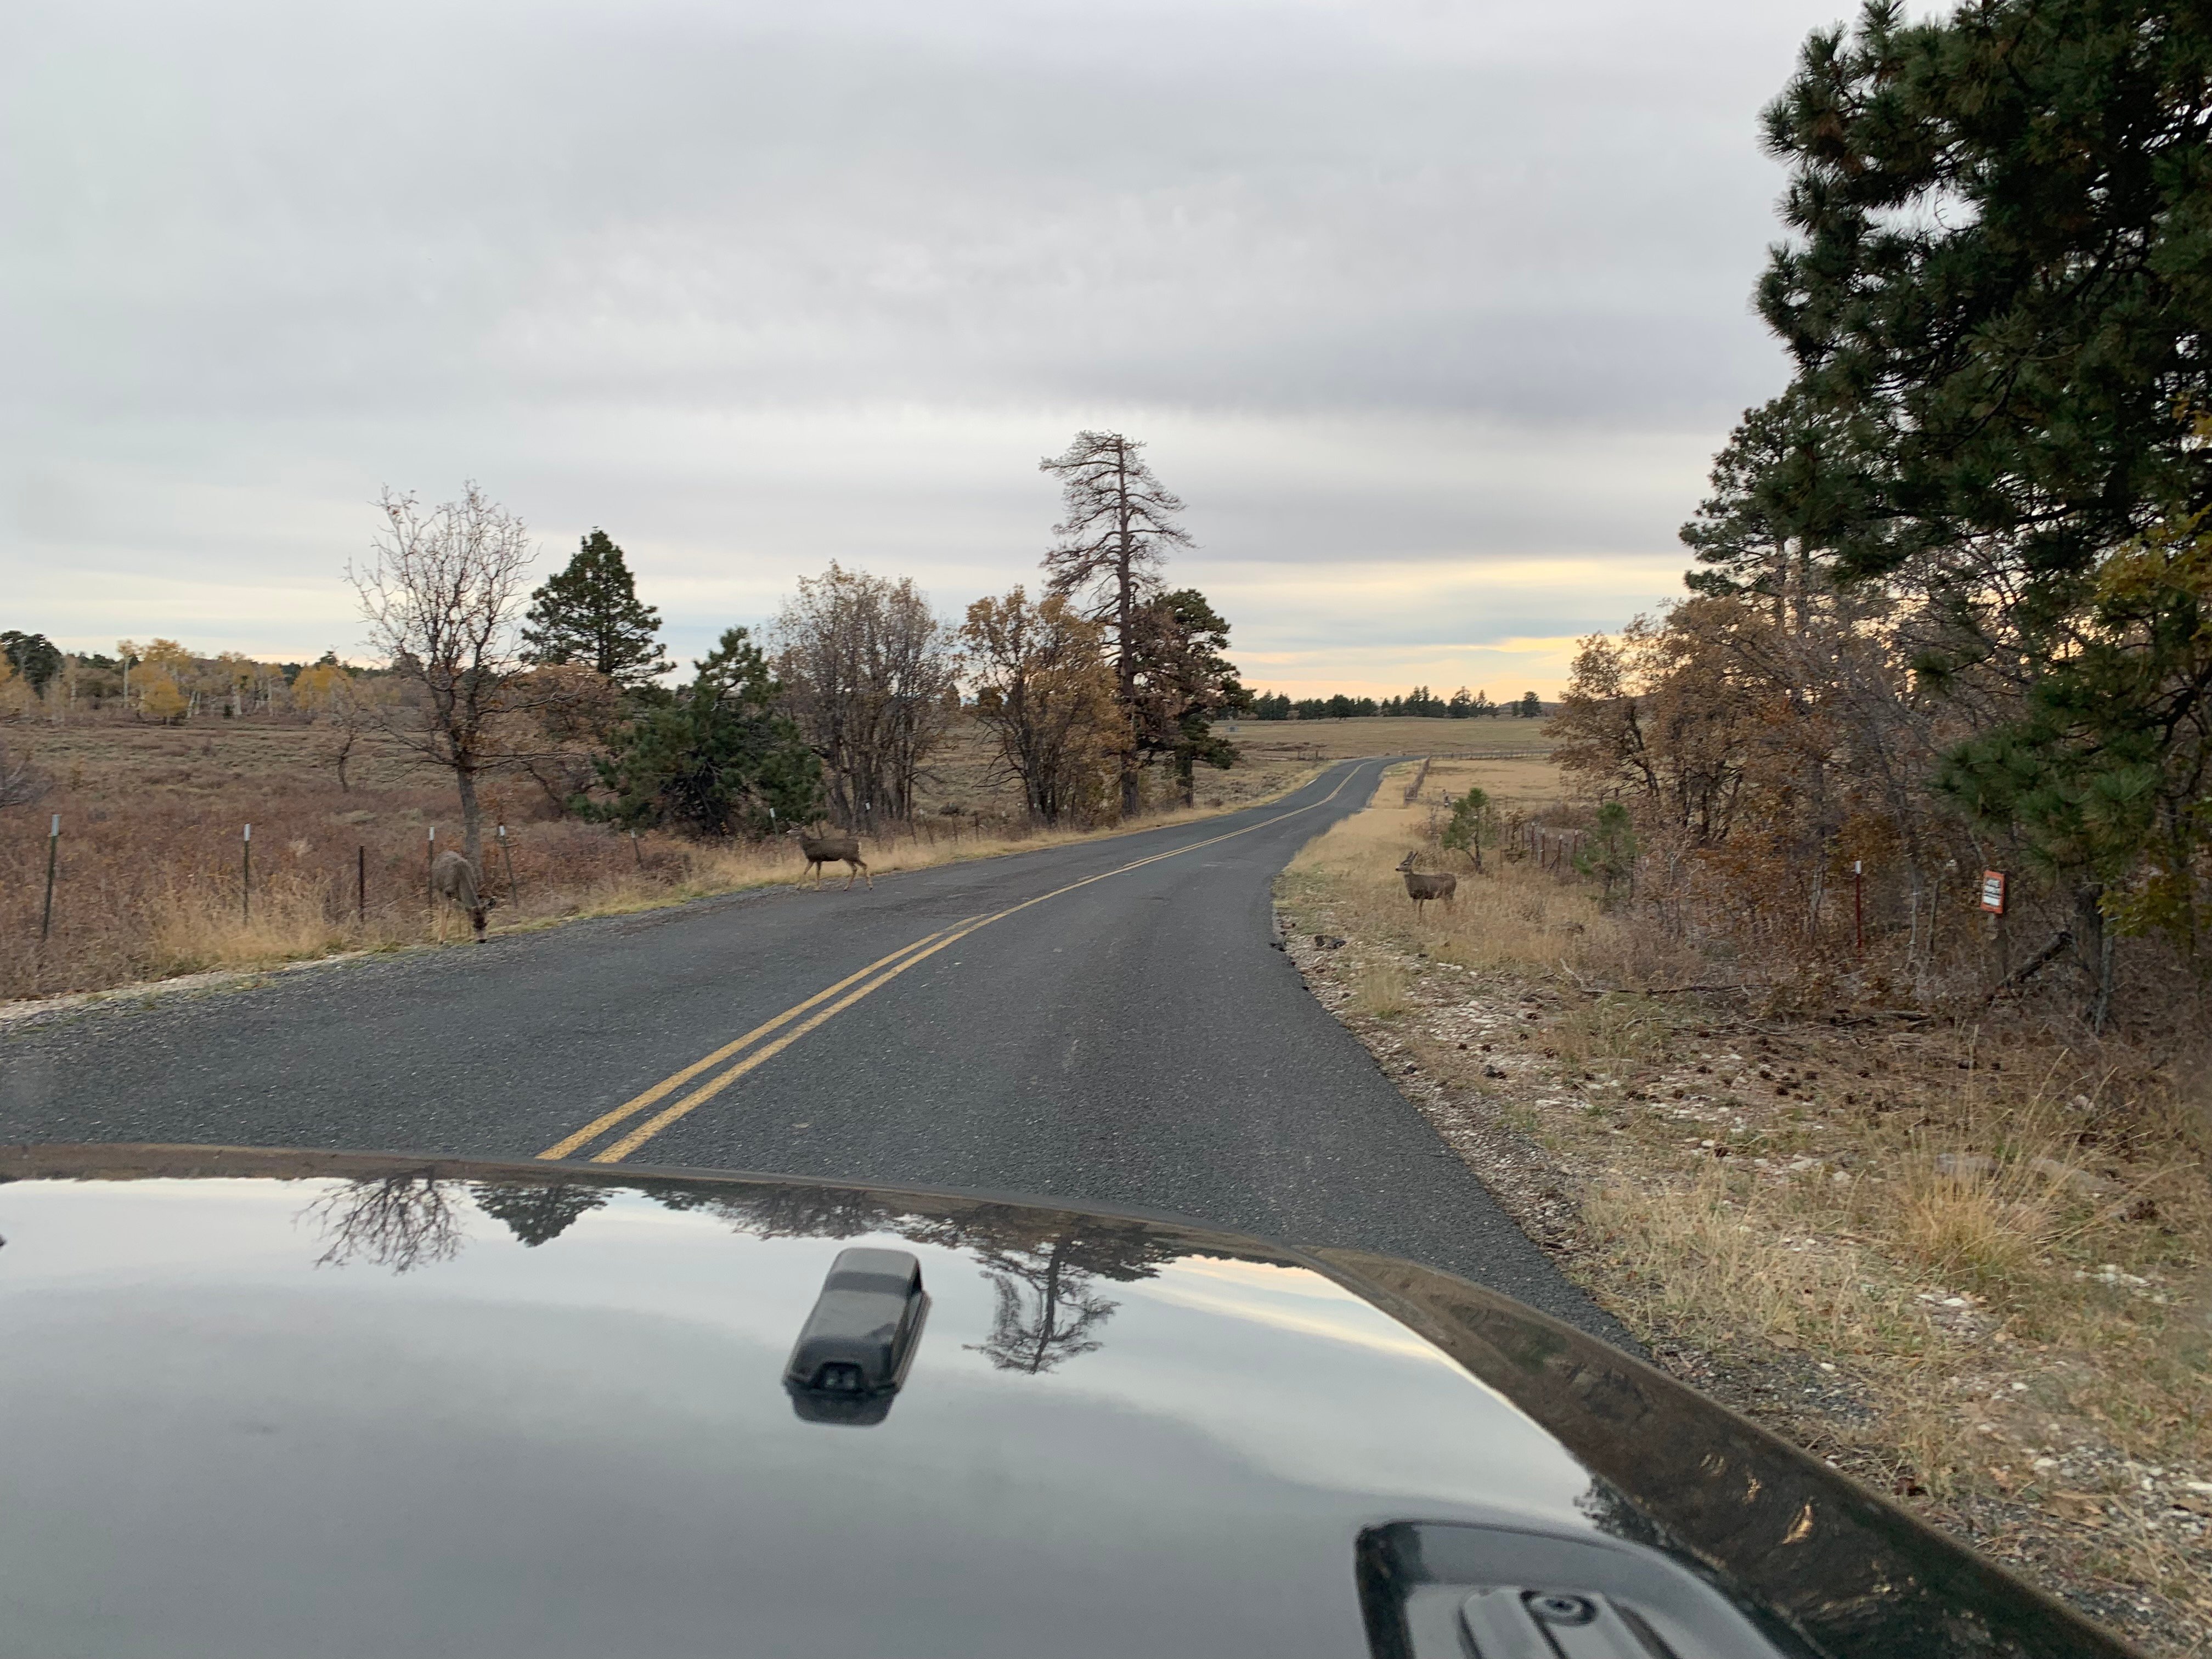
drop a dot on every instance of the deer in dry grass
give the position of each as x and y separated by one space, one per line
831 849
1421 887
453 880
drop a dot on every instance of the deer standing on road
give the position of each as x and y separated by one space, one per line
453 880
1421 887
831 849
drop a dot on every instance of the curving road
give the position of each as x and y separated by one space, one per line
1103 1021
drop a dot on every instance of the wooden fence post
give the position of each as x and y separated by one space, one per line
361 885
508 859
429 858
246 875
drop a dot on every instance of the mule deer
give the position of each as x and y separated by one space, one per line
831 849
453 879
1421 887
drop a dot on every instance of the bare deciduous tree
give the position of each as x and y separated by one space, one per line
866 666
398 1221
442 595
1108 551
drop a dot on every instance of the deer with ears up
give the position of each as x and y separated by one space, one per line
833 849
1421 886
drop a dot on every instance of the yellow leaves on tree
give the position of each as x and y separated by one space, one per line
1046 693
160 697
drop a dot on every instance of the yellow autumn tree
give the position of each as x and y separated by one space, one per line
160 697
316 688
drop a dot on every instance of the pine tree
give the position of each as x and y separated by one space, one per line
1474 824
1183 683
33 656
537 1212
1609 852
589 613
1996 297
718 759
1120 521
1997 294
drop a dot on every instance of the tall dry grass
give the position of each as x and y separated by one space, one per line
1511 917
1909 1203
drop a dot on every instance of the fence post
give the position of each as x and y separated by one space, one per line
246 875
636 852
361 885
1858 905
53 847
429 858
508 859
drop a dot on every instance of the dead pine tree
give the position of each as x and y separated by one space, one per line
1107 554
442 594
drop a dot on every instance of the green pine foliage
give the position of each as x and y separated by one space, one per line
717 760
1608 852
589 614
1473 825
537 1213
1184 683
33 656
1997 294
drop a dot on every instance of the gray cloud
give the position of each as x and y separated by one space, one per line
1450 285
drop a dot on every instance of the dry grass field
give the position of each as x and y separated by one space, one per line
150 882
1362 739
1968 1266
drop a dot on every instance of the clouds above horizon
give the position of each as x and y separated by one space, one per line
1433 312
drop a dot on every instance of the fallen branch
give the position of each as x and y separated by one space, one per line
1659 991
2032 966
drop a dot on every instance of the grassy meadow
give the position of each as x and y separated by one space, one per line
150 882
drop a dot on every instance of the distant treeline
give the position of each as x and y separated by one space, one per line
1421 703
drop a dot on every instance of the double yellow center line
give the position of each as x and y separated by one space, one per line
813 1012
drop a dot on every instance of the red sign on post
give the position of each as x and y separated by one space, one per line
1993 891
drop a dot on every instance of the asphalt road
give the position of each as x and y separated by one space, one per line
1130 1040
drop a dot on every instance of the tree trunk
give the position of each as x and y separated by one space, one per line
1126 616
465 778
2092 949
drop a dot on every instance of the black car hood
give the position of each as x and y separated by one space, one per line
320 1404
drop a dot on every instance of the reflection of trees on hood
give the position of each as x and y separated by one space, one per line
1044 1265
781 1212
401 1222
1049 1301
1046 1308
535 1211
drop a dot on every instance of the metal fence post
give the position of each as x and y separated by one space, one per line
53 847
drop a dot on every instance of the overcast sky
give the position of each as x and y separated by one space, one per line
1434 312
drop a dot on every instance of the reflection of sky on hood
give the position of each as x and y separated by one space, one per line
1439 287
595 1426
